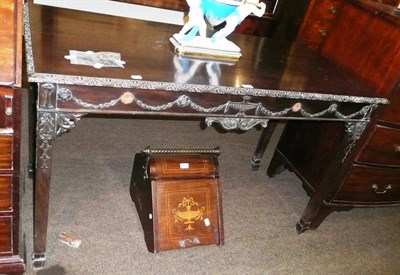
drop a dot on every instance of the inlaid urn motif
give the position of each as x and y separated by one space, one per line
188 212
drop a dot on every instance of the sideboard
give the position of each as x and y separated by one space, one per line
11 259
368 48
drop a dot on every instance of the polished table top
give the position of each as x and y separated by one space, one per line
273 68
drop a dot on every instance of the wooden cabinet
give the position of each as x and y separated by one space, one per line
11 260
372 52
318 21
365 41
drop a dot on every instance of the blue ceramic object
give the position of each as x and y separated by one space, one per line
216 11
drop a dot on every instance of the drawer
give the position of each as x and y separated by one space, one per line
5 193
325 9
368 185
5 236
391 113
316 30
5 151
383 148
6 110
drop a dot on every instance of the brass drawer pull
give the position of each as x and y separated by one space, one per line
375 188
332 10
8 111
397 148
323 33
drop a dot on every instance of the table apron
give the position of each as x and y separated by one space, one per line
106 100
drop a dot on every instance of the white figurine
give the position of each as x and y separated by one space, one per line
196 22
237 16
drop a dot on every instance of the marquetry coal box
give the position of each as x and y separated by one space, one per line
177 194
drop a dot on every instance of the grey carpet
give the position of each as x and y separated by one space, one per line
90 198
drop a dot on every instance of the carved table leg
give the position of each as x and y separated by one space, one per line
45 134
318 207
321 214
262 144
50 123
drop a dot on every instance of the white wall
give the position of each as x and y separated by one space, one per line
119 9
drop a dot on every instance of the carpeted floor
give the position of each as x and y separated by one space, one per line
90 198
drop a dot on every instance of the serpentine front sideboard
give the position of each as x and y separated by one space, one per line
369 48
272 81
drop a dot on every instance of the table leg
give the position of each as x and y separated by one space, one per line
319 207
277 165
262 144
45 134
319 216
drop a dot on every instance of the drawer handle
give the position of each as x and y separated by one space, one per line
323 33
397 148
332 10
8 111
376 190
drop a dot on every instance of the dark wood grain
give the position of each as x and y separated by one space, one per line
146 49
383 147
6 152
366 185
317 22
391 113
167 167
5 236
5 192
373 55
